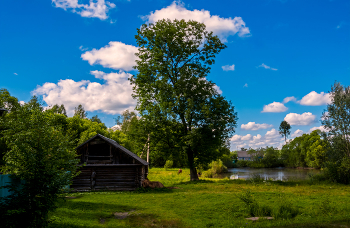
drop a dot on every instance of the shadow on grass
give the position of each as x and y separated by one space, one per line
344 223
99 214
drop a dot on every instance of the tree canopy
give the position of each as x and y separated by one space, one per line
172 90
284 129
336 119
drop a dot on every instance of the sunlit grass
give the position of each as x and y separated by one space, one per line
207 203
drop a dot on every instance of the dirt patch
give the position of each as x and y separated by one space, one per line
257 218
71 197
173 188
123 215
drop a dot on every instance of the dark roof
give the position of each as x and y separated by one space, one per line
115 144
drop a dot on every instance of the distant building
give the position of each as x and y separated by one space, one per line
244 156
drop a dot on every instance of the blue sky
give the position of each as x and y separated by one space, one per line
281 60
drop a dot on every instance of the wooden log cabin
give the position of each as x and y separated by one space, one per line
107 165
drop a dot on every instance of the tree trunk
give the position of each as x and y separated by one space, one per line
193 170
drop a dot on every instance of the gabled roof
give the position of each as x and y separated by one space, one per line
115 144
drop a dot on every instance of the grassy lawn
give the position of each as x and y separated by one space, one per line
208 203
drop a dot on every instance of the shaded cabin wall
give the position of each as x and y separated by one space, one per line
107 167
113 177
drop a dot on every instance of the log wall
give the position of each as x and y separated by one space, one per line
110 177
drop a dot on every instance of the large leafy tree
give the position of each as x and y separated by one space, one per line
336 119
284 129
172 90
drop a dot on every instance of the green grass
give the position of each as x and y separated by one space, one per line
209 203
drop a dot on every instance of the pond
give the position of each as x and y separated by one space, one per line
280 173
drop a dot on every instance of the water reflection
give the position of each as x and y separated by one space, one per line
271 174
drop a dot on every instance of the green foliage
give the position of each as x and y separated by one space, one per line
168 164
40 155
308 150
215 168
337 121
284 129
253 207
180 107
268 157
80 112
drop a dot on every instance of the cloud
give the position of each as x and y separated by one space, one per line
21 102
97 8
228 67
112 97
275 107
115 128
15 73
296 119
340 25
217 88
267 67
254 127
115 55
223 27
245 85
81 48
315 99
321 128
271 138
297 133
287 99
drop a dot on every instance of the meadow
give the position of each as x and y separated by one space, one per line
209 203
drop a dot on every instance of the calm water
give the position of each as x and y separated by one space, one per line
272 173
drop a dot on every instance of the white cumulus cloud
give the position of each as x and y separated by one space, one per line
228 67
254 126
266 67
315 99
271 138
297 133
115 55
288 99
321 128
112 97
306 118
223 27
275 107
97 8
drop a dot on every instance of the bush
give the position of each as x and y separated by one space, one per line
43 157
216 167
286 211
253 207
168 164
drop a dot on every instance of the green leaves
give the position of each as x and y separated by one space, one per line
172 90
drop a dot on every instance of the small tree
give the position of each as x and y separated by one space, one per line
284 129
336 119
42 158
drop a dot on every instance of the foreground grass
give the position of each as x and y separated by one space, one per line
206 203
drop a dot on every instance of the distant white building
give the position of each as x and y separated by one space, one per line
244 156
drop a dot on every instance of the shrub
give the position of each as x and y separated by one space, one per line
43 157
168 164
254 208
216 167
286 211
